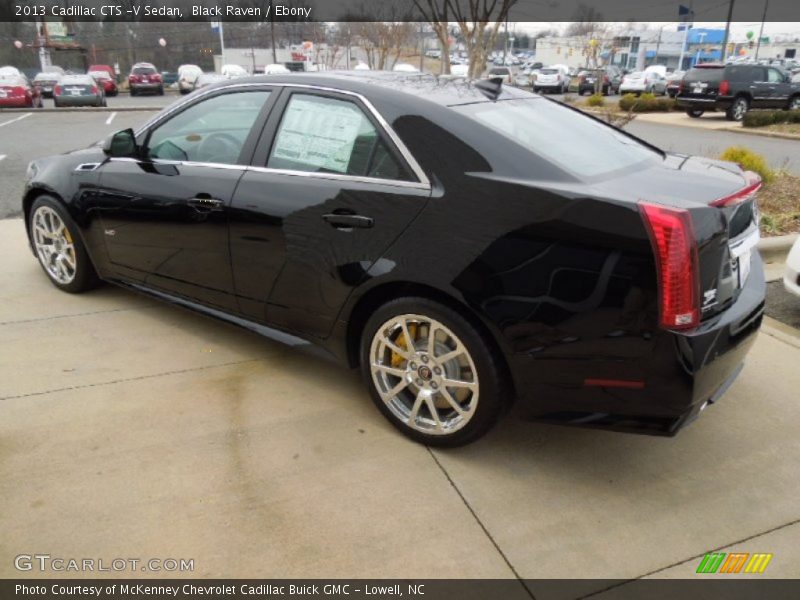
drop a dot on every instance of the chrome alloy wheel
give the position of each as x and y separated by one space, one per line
739 109
54 245
424 374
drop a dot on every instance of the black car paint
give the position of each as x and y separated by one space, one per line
559 273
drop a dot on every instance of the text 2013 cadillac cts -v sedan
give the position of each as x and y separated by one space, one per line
466 245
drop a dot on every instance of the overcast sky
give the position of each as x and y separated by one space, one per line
738 30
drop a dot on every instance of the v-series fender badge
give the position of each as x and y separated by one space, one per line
709 299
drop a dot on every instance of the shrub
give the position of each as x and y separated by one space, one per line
646 103
749 161
762 118
595 100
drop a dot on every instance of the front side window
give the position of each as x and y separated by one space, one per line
211 131
774 76
327 135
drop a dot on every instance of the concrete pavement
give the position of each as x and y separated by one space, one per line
137 429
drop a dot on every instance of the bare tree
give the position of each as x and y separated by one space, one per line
437 13
479 22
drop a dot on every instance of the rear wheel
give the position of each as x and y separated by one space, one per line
738 109
694 113
794 103
431 373
59 248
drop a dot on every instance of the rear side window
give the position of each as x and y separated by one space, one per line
707 75
575 143
327 135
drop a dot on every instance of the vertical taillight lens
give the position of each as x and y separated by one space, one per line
57 90
724 87
675 249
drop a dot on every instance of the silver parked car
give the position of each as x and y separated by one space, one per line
78 90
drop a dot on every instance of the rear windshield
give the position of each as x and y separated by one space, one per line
549 71
635 75
143 70
703 75
576 143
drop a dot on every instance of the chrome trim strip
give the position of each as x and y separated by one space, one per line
342 177
404 151
745 244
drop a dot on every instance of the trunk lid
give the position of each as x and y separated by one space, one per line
702 83
726 232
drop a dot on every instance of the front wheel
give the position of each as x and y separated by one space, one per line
431 373
738 109
59 248
694 113
794 103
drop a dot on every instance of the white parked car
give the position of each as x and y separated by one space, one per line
405 68
791 277
276 69
187 77
361 67
551 79
231 71
633 83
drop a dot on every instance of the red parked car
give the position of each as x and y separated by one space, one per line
145 77
103 78
17 92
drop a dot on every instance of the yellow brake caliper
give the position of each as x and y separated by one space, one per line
401 341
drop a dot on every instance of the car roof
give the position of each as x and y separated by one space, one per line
413 87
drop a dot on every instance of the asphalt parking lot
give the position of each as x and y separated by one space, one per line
133 428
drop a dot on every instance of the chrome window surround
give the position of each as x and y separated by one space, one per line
422 183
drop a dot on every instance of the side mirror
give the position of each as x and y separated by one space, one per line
121 143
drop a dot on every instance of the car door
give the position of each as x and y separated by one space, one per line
760 88
779 88
331 187
165 212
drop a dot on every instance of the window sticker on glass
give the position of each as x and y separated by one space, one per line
319 133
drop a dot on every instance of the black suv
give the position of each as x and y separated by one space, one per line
736 89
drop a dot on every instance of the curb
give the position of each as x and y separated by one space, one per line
771 134
82 109
776 248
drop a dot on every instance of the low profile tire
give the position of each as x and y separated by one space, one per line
794 103
59 248
738 109
432 373
694 113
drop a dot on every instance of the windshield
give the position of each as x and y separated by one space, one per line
574 142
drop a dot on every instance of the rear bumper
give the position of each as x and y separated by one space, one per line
704 103
15 102
146 87
78 100
677 375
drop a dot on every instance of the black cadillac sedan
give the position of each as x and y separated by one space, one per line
464 244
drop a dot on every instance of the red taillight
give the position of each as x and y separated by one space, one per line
680 87
605 78
752 185
18 90
675 247
94 89
57 90
724 87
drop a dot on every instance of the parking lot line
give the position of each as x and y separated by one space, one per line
111 118
15 120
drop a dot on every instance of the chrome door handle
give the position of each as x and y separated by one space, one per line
346 221
206 204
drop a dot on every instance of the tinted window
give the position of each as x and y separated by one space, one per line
212 130
328 135
576 143
144 71
703 75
